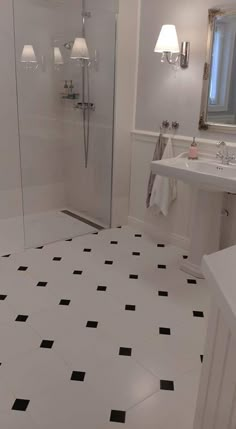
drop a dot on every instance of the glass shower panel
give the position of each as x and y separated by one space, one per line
89 186
62 196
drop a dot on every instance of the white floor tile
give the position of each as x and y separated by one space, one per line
34 373
17 340
123 383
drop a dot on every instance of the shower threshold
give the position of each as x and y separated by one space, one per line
44 228
51 226
83 219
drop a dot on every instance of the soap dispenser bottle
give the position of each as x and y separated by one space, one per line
193 150
66 88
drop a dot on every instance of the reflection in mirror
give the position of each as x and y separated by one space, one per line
219 86
222 90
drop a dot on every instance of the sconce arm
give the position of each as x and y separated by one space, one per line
182 57
169 58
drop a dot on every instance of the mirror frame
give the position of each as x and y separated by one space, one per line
213 14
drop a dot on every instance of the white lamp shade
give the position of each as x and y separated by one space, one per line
80 49
28 55
167 40
58 59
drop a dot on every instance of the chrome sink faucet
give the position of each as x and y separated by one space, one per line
224 154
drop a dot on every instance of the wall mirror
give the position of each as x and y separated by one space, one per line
218 108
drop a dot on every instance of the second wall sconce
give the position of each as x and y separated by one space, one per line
168 45
58 58
28 58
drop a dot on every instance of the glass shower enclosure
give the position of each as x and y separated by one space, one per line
65 65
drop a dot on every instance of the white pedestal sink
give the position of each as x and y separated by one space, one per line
209 180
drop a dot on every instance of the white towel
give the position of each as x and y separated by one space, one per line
164 190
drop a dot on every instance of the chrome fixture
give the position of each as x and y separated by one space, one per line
175 125
165 124
69 45
224 154
80 52
168 45
85 106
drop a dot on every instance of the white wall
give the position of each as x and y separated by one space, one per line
126 74
165 94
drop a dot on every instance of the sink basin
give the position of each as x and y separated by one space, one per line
205 173
209 180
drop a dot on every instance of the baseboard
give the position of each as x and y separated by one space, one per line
167 237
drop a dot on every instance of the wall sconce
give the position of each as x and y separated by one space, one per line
80 50
28 58
58 58
168 44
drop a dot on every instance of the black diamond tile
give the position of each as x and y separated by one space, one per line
95 233
6 256
119 227
164 331
42 284
46 344
201 358
130 307
3 297
57 259
125 351
138 235
185 256
39 247
22 268
167 385
78 376
136 253
92 324
69 239
64 302
87 250
161 267
192 281
20 404
102 288
161 245
108 262
198 314
118 416
21 318
78 272
133 276
114 242
162 293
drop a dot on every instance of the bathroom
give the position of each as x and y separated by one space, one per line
113 314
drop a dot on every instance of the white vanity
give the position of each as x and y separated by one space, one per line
209 179
216 407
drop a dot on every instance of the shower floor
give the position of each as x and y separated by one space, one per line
40 228
53 226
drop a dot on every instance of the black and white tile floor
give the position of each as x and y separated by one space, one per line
100 332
